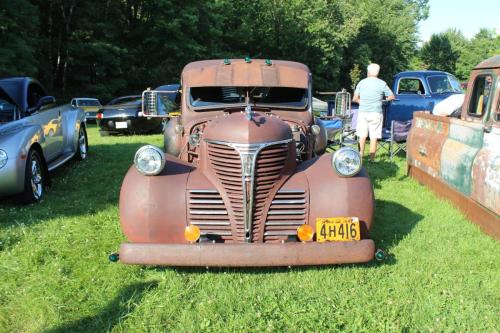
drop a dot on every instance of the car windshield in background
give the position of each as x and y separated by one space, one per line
88 102
444 84
216 97
125 100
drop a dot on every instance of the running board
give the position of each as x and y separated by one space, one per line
60 160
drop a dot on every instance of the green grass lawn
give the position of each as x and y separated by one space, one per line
442 273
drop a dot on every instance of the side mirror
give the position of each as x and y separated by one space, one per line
45 100
158 103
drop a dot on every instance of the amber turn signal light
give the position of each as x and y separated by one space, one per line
192 233
305 233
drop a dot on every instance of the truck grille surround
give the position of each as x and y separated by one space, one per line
247 175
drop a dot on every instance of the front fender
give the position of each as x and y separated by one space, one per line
331 195
153 208
17 145
72 119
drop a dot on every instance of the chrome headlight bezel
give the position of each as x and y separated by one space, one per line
339 157
152 151
3 158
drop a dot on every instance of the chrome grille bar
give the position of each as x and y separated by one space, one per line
288 202
285 223
207 212
205 201
286 212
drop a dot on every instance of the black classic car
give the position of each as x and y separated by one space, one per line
121 115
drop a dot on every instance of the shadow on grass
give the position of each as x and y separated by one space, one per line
381 170
111 315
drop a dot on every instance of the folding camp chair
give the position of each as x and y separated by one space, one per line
394 139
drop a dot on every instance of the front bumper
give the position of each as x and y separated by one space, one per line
247 255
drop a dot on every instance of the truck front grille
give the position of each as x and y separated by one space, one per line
247 185
287 212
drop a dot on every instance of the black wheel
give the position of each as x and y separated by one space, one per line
103 133
82 147
34 178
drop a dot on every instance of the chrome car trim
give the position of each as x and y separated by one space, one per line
280 233
207 212
202 191
287 212
285 223
248 155
210 222
203 201
288 202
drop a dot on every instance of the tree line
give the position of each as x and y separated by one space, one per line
452 52
105 48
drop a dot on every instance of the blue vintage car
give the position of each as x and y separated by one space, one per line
36 136
419 91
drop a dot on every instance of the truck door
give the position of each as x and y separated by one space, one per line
49 118
411 95
486 169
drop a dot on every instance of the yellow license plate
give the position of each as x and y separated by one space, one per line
343 229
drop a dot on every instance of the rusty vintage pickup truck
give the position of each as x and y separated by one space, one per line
460 158
243 179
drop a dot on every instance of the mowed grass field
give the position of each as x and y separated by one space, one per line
442 273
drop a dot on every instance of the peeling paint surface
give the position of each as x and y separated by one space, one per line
486 173
456 165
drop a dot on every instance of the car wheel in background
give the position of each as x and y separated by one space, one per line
83 145
34 178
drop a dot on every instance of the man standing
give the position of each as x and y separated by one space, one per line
369 94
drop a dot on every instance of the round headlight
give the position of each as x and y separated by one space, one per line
3 158
149 160
346 162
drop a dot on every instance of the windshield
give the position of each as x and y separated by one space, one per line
216 97
88 102
7 111
125 100
444 84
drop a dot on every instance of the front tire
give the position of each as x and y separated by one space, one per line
34 178
82 145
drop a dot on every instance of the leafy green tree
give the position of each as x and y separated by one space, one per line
438 53
482 46
18 31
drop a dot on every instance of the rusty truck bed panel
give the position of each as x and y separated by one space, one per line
248 255
429 133
460 158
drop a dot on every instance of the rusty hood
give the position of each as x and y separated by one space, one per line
236 128
239 73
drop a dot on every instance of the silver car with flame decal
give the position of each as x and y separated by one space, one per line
36 136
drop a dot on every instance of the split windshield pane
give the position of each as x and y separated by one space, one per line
216 97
